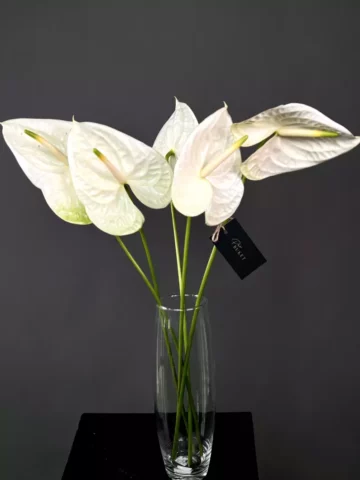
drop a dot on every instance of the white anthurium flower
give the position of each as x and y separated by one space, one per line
175 132
103 161
302 137
40 147
207 174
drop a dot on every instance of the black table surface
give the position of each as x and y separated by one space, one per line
121 446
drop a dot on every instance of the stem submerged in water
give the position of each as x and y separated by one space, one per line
182 380
190 446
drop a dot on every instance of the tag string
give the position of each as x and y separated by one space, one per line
216 234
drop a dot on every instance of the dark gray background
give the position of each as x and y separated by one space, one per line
77 324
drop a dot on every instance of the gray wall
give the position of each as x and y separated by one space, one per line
77 324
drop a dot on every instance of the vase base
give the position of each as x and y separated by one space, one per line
180 470
188 473
182 477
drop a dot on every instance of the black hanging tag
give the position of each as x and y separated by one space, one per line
237 248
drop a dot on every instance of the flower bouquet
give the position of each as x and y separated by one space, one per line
90 173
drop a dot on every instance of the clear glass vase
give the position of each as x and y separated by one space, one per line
185 390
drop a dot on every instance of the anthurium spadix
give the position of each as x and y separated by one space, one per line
301 137
40 147
103 162
207 175
175 132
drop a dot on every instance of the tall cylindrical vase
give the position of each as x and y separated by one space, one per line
185 390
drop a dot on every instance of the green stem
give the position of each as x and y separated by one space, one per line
185 334
182 296
182 379
174 338
176 243
150 262
196 420
183 277
191 402
190 439
157 299
178 265
165 333
139 269
183 328
172 366
177 252
178 262
185 260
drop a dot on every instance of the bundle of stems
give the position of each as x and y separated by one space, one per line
183 340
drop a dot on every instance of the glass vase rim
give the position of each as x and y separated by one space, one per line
202 304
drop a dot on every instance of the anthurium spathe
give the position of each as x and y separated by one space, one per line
40 147
301 137
207 174
103 162
175 132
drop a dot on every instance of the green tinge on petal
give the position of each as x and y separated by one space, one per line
76 216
